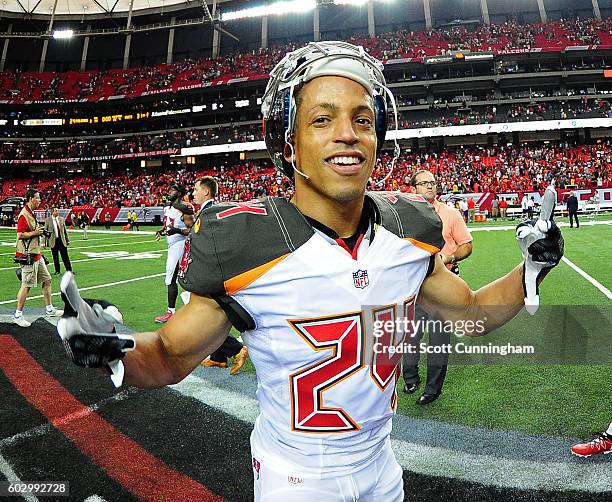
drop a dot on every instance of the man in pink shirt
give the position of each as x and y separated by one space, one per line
457 247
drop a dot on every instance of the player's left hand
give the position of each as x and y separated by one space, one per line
542 246
541 243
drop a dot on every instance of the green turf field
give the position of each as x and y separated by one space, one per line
568 400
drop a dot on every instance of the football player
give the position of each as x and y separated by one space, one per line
178 219
294 277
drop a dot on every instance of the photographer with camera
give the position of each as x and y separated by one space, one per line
32 266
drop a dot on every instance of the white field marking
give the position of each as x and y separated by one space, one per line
11 476
43 429
99 286
89 231
607 293
513 227
94 498
485 469
76 236
95 240
503 472
116 232
91 259
94 247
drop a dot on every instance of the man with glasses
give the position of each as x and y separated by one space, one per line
457 247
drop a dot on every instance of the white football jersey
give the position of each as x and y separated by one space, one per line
173 218
307 307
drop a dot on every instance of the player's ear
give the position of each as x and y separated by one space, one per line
288 152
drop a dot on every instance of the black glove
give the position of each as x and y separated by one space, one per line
173 231
184 207
542 246
545 247
87 329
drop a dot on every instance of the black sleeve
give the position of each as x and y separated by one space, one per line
199 268
229 244
237 315
410 216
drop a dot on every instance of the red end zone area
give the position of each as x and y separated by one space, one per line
65 423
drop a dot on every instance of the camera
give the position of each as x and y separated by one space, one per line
46 233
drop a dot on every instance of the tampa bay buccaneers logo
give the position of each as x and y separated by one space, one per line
185 259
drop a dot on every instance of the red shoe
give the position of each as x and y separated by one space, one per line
602 443
164 318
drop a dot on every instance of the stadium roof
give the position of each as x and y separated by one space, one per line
74 8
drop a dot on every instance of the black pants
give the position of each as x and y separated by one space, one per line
436 363
230 347
59 248
573 215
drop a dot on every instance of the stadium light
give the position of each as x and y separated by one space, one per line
357 2
277 8
350 2
63 34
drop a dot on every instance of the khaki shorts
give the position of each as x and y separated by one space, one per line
34 274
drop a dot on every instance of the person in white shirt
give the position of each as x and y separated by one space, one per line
178 219
525 206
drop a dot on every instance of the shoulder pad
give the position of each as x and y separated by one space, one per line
410 217
232 244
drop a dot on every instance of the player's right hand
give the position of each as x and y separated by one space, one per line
87 329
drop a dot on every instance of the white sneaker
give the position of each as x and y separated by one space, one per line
20 321
55 312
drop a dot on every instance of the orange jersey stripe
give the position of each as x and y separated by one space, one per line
241 281
427 247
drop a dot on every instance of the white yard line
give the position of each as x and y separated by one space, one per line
11 476
91 259
593 281
150 241
484 468
12 231
512 227
572 265
99 286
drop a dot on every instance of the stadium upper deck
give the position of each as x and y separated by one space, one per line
403 45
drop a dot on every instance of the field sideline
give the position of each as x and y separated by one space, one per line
561 400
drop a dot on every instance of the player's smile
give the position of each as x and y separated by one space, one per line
346 163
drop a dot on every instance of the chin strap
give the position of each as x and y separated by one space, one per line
396 147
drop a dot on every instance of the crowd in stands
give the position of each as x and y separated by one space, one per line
91 147
509 168
465 169
520 112
163 142
95 85
506 37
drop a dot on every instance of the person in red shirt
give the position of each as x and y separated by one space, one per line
503 208
32 268
471 209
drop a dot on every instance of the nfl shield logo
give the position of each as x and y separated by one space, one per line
360 279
